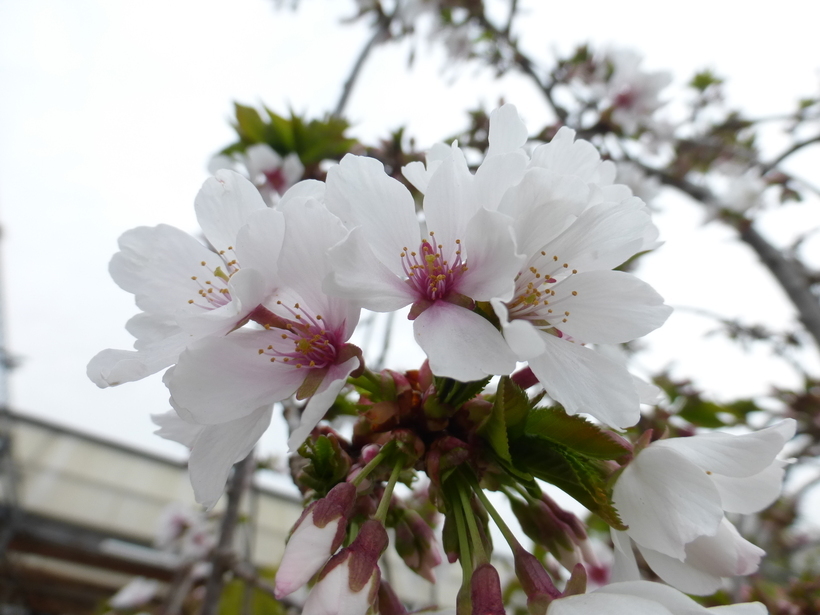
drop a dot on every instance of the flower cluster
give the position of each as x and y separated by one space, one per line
514 262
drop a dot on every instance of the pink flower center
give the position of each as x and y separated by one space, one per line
533 292
276 179
213 289
303 341
429 273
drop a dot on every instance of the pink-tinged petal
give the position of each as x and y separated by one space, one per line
625 567
543 205
603 237
450 201
359 276
222 379
311 231
495 176
751 494
259 242
318 404
360 193
666 501
734 455
461 344
223 205
332 594
112 367
218 448
522 337
492 261
581 380
670 598
172 427
156 265
507 132
611 604
607 307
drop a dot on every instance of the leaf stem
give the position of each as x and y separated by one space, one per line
371 465
381 512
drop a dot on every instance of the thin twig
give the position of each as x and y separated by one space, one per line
243 471
381 33
794 148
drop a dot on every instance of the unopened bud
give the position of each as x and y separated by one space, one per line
485 591
535 581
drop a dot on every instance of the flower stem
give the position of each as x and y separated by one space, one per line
505 530
373 463
469 516
381 512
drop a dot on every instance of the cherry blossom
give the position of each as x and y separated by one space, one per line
187 291
270 172
301 348
673 496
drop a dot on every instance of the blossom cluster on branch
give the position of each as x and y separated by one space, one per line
511 275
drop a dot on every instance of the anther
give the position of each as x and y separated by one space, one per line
575 293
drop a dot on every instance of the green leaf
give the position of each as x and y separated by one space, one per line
455 393
249 124
575 433
580 477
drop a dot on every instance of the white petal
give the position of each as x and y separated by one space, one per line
149 327
218 448
581 380
358 275
307 189
450 201
625 567
318 404
172 427
666 501
495 176
744 608
360 193
223 205
753 493
492 261
460 344
332 595
598 602
223 379
307 551
112 367
259 243
260 158
680 575
542 205
156 264
726 554
418 174
507 132
607 307
566 156
522 337
734 455
672 599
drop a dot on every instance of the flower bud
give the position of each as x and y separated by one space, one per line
349 583
417 545
535 581
485 591
317 534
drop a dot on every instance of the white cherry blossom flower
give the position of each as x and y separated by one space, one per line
673 496
462 252
302 348
632 93
643 598
186 290
271 173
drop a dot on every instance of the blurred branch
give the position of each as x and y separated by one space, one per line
794 148
222 555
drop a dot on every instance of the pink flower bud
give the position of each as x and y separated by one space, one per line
535 581
317 534
485 591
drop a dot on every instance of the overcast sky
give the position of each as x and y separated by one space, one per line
109 112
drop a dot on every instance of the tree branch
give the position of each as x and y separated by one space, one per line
243 471
794 148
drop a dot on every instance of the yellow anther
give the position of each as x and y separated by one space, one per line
574 271
543 253
270 347
575 293
555 258
566 313
549 311
261 351
190 300
267 327
318 317
202 263
565 320
283 336
273 359
565 265
296 305
193 277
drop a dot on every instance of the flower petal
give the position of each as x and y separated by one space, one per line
581 380
598 602
223 205
218 448
461 344
607 307
521 336
259 242
507 132
112 367
734 455
625 567
666 501
751 494
492 262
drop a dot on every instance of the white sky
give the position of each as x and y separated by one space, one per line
109 112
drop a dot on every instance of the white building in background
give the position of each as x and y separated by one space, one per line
78 517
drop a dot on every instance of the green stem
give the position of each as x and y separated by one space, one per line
366 470
469 515
381 512
463 541
505 530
